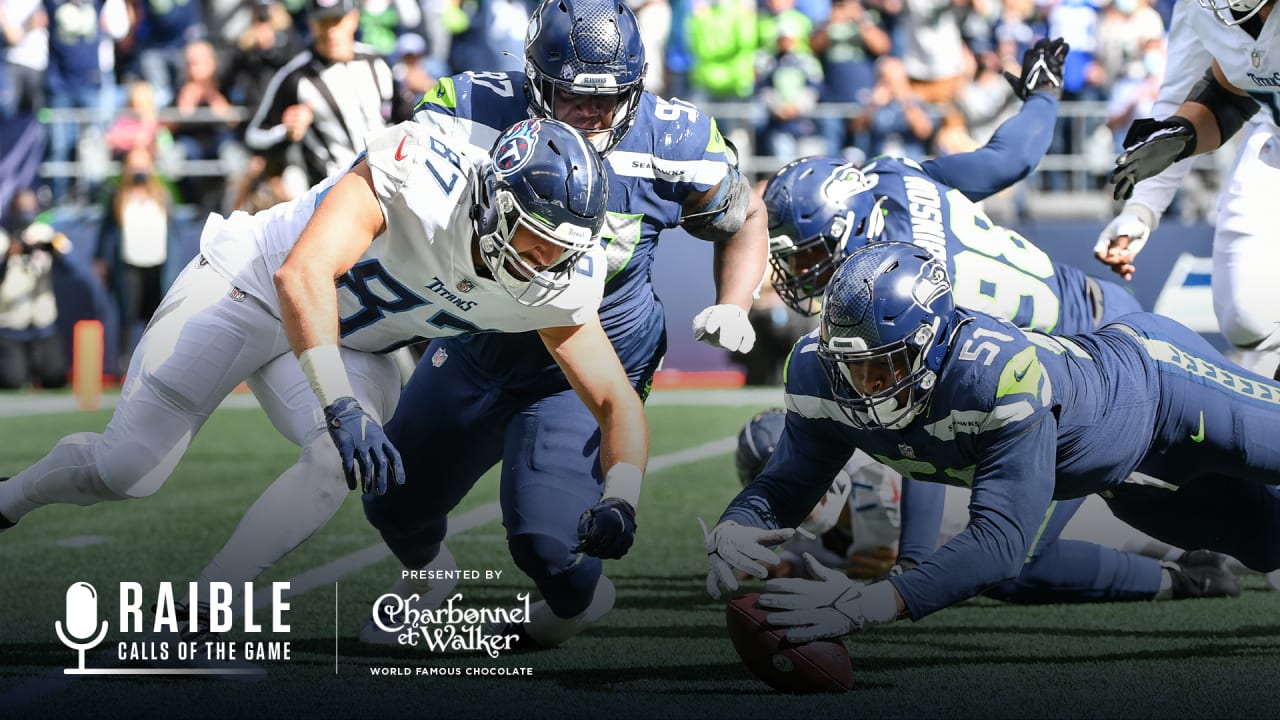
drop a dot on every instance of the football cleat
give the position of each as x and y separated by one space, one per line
1202 574
1273 580
431 595
6 523
544 629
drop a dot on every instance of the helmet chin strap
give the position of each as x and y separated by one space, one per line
599 139
888 407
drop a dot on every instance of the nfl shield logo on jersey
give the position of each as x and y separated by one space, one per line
1255 57
466 286
517 146
907 451
438 358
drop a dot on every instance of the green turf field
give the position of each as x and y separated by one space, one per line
663 652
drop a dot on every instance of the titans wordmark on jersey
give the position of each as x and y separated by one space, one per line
1249 55
418 279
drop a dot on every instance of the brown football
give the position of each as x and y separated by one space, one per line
821 666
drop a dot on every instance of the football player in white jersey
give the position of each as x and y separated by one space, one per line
425 239
1234 41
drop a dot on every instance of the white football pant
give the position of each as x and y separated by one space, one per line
1246 245
204 340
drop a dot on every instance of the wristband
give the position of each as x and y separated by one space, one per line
1144 213
623 482
880 602
328 376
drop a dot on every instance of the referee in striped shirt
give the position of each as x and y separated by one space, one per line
329 97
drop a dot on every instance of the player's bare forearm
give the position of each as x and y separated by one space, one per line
340 230
590 363
740 260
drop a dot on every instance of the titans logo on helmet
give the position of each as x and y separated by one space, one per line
515 147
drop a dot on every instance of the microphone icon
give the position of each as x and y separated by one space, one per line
82 618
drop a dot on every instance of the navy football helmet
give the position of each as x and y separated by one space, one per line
585 47
756 442
820 210
546 177
886 321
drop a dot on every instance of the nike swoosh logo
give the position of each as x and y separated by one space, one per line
1198 436
400 149
1017 376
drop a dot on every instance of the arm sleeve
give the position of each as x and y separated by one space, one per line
1013 152
1187 61
809 455
922 507
266 130
1012 489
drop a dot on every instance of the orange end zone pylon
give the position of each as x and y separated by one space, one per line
86 364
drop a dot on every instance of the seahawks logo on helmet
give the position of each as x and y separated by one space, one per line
847 181
931 283
516 146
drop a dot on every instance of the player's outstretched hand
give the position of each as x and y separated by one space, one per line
831 606
607 530
1041 69
1124 237
369 459
1150 146
725 326
731 546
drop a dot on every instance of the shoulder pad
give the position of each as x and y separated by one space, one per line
680 130
394 153
802 372
474 92
891 163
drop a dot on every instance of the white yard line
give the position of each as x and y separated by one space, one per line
329 573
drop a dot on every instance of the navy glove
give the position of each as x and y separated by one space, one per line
607 530
367 454
1041 69
1149 147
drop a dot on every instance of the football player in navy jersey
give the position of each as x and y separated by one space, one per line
1082 553
821 209
668 167
947 395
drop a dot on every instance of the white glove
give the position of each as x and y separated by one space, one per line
731 546
831 606
1136 221
725 326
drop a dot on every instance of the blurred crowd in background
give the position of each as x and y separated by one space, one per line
180 78
134 108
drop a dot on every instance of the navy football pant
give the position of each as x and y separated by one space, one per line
453 423
1216 438
1072 571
